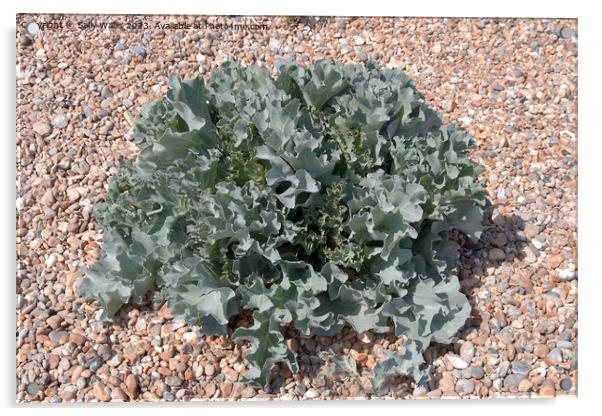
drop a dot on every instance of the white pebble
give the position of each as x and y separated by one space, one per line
457 362
50 261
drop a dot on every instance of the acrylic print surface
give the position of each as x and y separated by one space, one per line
295 208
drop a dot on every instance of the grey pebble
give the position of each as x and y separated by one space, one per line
311 394
138 50
566 384
42 128
555 355
478 372
209 369
567 33
466 386
361 55
173 381
33 388
81 383
95 363
300 389
519 367
513 380
59 121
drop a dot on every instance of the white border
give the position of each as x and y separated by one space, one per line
589 190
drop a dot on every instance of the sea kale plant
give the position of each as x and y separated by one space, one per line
322 197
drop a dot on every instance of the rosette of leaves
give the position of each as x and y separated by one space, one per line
319 198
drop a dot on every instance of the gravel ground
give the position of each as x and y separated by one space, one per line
511 83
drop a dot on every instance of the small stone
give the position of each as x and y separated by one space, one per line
95 363
361 55
210 390
496 254
498 219
33 388
25 40
437 49
138 50
311 394
467 351
555 261
358 40
48 198
566 384
209 369
106 92
247 392
517 73
54 321
541 350
513 380
457 362
131 384
530 254
531 230
173 381
226 389
105 352
50 261
519 367
465 386
230 373
477 372
53 361
42 128
69 393
100 392
59 121
131 353
190 336
554 357
547 389
567 33
525 385
118 395
81 383
567 274
77 339
73 195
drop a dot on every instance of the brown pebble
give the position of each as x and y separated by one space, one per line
210 390
131 383
230 373
100 392
226 389
53 361
77 339
541 351
547 389
54 321
525 385
118 395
